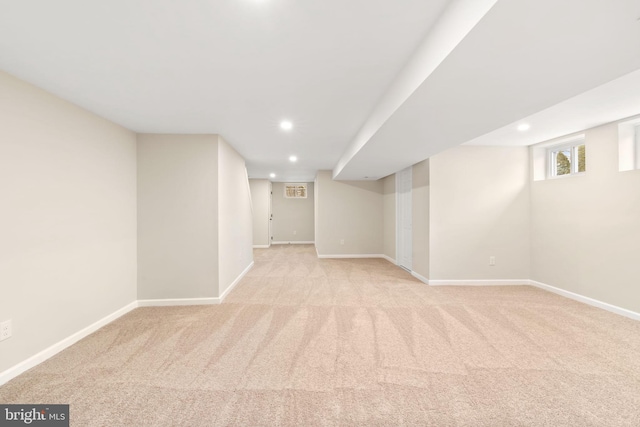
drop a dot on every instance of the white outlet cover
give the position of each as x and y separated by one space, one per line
5 330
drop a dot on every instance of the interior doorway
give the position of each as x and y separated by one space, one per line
291 213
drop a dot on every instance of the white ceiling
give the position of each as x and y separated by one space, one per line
233 67
350 75
617 99
523 57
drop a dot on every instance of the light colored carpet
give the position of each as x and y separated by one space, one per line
306 342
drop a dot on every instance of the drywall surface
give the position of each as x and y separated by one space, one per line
389 215
235 221
420 218
293 219
68 218
479 207
350 216
260 202
585 229
177 216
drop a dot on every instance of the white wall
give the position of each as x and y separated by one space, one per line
351 211
235 221
260 201
479 207
67 218
177 216
292 215
585 229
389 216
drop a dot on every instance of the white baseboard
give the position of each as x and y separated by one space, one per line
294 243
567 294
235 282
261 246
164 302
352 256
391 260
420 277
494 282
194 301
45 354
56 348
586 300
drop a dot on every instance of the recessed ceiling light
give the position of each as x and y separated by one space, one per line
523 127
286 125
272 175
293 159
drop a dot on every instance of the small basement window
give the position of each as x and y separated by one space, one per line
568 158
295 191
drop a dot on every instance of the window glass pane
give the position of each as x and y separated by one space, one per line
582 159
295 191
563 161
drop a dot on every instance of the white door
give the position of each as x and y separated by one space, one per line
404 251
270 212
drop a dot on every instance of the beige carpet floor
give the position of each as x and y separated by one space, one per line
309 342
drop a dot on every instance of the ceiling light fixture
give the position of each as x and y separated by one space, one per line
293 159
272 175
286 125
523 127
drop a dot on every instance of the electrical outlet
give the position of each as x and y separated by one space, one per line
342 241
295 232
492 260
5 330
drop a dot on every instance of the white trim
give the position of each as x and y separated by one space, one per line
391 260
404 198
629 145
352 256
235 282
261 246
56 348
294 243
420 277
177 301
492 282
194 301
45 354
571 144
586 300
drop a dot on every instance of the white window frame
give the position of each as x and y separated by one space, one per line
288 185
572 145
629 145
637 146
